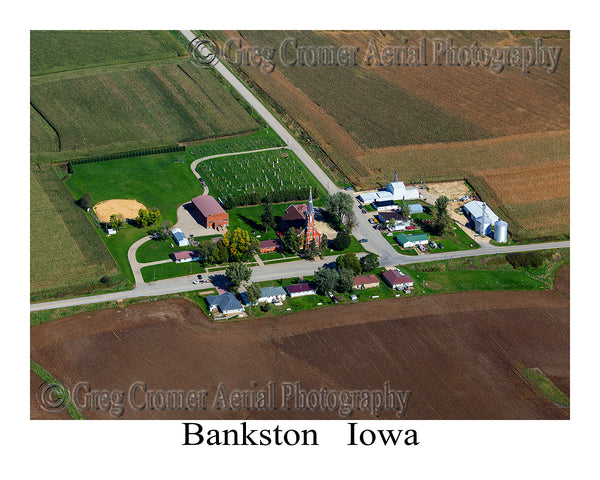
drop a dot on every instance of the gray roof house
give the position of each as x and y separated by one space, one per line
226 303
272 294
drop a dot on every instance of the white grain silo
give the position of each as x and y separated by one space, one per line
500 231
483 225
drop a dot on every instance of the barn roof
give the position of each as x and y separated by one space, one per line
394 277
365 280
183 255
300 287
207 205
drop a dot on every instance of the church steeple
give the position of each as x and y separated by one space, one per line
310 203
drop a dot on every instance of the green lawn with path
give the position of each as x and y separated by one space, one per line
155 250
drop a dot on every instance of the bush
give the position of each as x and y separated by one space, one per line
341 242
522 259
265 307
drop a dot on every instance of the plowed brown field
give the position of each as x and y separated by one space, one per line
456 353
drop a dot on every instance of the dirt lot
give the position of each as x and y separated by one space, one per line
456 353
128 208
449 189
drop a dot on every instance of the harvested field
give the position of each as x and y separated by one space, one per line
127 208
458 357
36 412
562 284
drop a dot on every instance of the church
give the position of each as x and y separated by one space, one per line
302 219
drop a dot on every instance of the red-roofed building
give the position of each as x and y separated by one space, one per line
300 289
397 279
210 213
185 256
365 281
266 246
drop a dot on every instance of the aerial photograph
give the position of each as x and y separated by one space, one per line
299 225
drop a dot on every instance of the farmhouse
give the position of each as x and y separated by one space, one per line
397 280
185 256
210 213
385 205
385 217
300 290
226 303
365 281
272 295
180 238
415 208
266 246
409 241
399 191
302 219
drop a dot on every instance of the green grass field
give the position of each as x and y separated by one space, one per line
261 172
61 50
138 108
545 386
263 138
171 270
65 251
41 136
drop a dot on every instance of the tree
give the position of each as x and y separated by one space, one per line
350 221
323 245
325 280
143 218
443 224
69 168
404 209
345 280
311 251
237 273
86 201
116 221
238 243
207 252
339 204
442 204
341 242
253 293
154 216
292 241
349 261
267 218
369 262
220 253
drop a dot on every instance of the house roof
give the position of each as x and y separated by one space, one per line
300 287
272 291
365 280
269 243
226 301
394 277
387 216
207 205
403 237
183 255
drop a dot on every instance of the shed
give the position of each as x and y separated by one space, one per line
415 208
474 210
266 246
185 256
180 238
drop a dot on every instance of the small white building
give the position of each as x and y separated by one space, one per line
180 238
370 197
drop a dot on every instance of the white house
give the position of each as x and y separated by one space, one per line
226 303
399 191
272 295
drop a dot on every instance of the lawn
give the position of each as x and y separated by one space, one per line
128 109
60 50
155 250
262 173
155 180
264 138
171 270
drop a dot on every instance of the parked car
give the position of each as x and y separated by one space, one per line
363 240
422 247
411 227
462 199
441 246
196 282
371 221
199 277
432 244
335 299
363 210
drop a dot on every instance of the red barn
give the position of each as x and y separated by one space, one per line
210 213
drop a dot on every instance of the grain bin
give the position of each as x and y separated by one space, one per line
500 231
483 225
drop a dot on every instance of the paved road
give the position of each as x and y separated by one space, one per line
275 272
